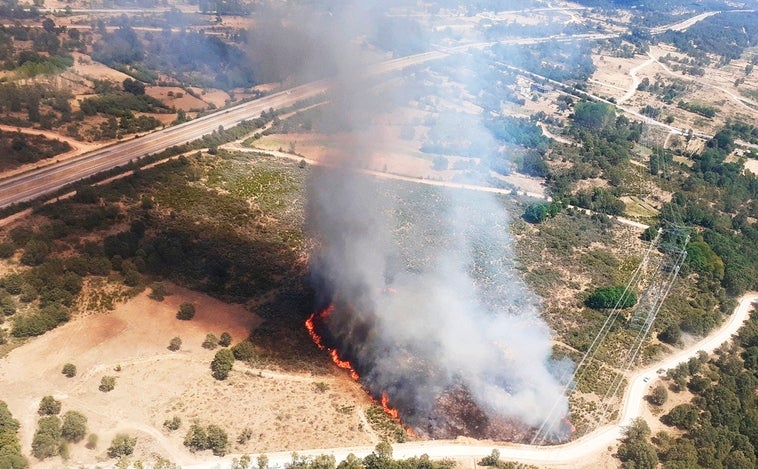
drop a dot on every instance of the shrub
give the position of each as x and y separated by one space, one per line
186 312
244 350
69 369
107 383
74 426
222 364
158 291
175 344
225 340
49 406
217 439
196 438
659 395
610 297
46 440
173 423
210 342
122 445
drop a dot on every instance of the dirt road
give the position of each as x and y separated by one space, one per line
566 455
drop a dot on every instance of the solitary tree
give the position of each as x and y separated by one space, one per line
186 312
107 383
122 445
175 344
659 395
222 364
69 369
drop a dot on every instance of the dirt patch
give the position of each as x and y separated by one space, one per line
176 97
153 383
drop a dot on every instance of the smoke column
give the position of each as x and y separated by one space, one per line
456 341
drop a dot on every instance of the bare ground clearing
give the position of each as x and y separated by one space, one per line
153 384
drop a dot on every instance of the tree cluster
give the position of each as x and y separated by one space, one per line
10 447
212 437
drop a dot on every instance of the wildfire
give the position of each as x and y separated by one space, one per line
333 353
571 425
392 412
344 364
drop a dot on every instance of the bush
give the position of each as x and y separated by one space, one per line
173 423
659 395
222 364
244 351
186 312
175 344
122 445
210 342
196 438
49 406
74 426
225 340
158 291
46 440
212 437
217 440
107 383
610 297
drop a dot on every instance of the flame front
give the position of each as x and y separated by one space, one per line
391 411
333 353
344 364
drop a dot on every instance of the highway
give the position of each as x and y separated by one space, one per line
39 182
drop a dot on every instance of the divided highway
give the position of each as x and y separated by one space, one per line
42 181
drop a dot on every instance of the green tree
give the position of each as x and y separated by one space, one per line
196 438
122 445
49 406
536 212
210 342
175 344
222 364
635 450
186 311
683 416
35 252
611 297
46 440
216 439
74 426
225 340
244 351
659 395
107 383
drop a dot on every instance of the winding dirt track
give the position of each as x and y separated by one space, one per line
574 452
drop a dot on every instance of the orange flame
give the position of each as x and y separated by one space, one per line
392 412
571 425
333 353
344 364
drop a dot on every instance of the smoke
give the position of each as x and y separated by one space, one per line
429 308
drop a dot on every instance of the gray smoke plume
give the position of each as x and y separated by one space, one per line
445 328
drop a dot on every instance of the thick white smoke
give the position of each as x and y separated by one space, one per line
458 317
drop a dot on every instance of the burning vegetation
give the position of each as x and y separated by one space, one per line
454 411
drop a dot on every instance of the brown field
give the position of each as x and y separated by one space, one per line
284 411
